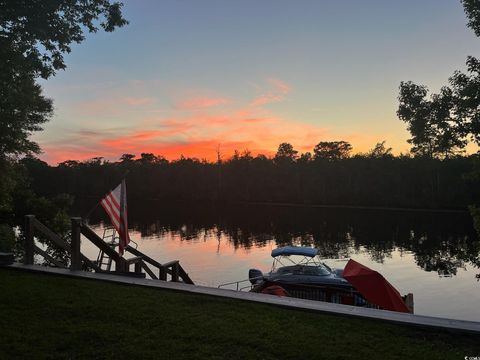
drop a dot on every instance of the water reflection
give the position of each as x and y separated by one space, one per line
440 242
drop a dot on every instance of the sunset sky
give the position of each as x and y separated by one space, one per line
193 76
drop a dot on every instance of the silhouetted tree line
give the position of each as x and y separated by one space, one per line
329 176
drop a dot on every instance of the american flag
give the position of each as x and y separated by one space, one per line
115 204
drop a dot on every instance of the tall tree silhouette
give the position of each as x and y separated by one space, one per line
286 152
472 10
434 124
34 36
444 123
332 150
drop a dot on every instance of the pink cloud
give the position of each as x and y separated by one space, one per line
134 139
54 155
277 93
197 135
280 86
200 135
193 133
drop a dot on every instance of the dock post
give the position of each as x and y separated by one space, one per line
76 261
29 246
175 271
121 265
138 267
163 273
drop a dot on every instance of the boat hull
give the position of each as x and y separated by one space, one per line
338 294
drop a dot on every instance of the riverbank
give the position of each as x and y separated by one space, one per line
49 316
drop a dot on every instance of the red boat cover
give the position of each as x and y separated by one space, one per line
373 286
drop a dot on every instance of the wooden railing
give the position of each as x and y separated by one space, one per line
32 225
78 261
172 268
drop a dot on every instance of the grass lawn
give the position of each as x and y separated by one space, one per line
44 316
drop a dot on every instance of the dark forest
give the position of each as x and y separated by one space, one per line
361 180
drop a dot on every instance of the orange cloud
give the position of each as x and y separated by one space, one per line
55 155
191 132
138 137
197 135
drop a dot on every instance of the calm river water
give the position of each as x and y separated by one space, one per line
433 255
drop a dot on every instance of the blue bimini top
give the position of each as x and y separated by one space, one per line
295 250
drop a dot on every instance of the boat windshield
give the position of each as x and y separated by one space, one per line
290 260
308 270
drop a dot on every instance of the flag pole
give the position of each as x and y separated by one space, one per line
87 216
98 203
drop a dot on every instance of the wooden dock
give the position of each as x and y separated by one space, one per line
142 263
299 304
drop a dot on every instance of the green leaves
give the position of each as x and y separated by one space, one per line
443 124
41 31
23 109
472 10
34 36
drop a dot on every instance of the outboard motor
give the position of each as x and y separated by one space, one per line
338 272
255 276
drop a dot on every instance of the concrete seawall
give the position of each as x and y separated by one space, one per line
300 304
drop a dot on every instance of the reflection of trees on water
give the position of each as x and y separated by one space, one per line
440 242
444 257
